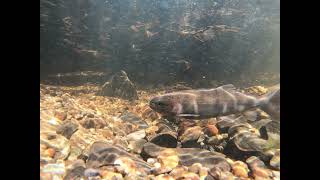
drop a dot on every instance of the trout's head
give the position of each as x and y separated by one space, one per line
162 104
171 104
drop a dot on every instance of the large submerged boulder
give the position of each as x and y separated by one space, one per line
120 86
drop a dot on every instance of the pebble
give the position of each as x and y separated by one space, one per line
87 123
151 160
203 173
152 130
164 177
45 176
184 125
136 146
120 142
136 135
165 139
190 176
75 169
177 172
125 165
108 134
90 172
275 161
260 173
157 165
148 113
78 116
258 168
217 139
276 175
263 115
195 168
67 129
106 174
50 152
192 133
59 143
60 115
54 168
211 130
168 158
216 173
240 169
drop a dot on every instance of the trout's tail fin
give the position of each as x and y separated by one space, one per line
270 103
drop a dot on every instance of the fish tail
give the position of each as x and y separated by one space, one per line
270 103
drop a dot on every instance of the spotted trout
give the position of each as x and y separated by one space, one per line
207 103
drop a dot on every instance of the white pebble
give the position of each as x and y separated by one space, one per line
151 160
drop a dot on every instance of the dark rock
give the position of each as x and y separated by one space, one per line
225 122
244 142
189 156
273 127
67 129
189 133
93 123
90 172
258 168
87 123
166 139
119 85
165 126
104 154
77 170
134 120
217 143
218 173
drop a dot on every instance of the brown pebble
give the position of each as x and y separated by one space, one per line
191 133
212 130
164 177
168 158
152 130
45 176
195 168
178 172
50 152
60 115
107 133
105 174
148 113
240 171
260 172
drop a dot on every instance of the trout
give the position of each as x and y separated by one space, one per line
208 103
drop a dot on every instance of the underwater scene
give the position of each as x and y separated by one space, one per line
160 89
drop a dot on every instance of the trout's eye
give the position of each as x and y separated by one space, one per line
161 103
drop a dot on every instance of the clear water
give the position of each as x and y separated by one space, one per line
162 45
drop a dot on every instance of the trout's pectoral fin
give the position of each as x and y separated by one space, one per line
188 115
